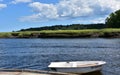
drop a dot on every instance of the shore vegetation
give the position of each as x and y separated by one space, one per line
104 33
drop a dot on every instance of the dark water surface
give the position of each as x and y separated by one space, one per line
38 53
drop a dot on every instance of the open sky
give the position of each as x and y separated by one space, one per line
21 14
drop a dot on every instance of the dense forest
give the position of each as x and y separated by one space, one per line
113 21
67 27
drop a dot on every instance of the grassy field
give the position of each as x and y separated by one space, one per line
63 33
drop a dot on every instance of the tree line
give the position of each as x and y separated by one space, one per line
67 27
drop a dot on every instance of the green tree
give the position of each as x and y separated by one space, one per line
113 21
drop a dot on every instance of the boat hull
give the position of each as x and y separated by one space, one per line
78 70
77 66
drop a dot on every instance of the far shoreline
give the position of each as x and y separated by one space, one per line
85 33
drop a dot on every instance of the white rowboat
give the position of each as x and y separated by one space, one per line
77 66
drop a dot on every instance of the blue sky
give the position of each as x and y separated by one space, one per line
21 14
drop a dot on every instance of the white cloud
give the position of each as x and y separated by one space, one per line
44 12
3 6
98 20
90 20
111 4
21 1
67 9
74 8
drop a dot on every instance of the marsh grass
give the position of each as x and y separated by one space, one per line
5 34
60 33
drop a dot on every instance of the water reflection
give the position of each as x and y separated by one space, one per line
94 73
38 53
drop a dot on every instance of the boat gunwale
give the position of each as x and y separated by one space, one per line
78 66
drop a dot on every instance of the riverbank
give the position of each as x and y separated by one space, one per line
85 33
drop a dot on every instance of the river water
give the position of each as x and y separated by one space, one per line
38 53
